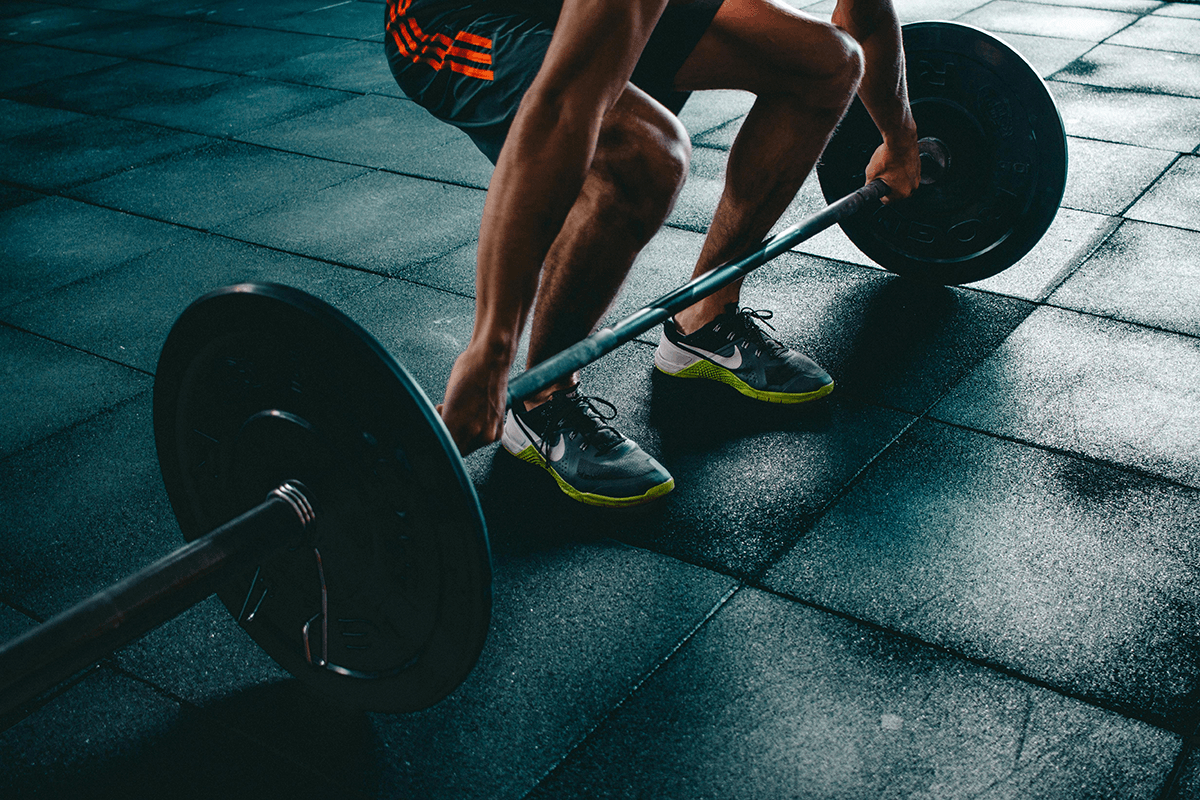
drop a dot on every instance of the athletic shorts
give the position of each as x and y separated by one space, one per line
469 62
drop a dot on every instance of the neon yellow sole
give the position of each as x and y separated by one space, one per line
714 372
530 455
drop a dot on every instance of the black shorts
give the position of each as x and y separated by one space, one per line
469 62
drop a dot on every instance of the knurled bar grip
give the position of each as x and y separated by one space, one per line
94 628
607 339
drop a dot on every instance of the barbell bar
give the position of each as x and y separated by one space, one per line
366 572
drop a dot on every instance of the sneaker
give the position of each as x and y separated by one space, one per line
569 437
734 350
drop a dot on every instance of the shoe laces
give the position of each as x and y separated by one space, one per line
580 415
745 323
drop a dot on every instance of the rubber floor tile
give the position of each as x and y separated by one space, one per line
121 85
749 477
215 184
1146 274
87 150
705 111
85 507
348 20
380 132
1135 69
1091 25
18 8
204 657
772 699
575 628
1189 778
31 64
1130 6
1108 390
1178 9
21 119
1160 33
242 50
1080 576
1149 120
918 10
49 21
351 67
11 197
1047 55
132 35
54 241
231 107
368 222
1174 200
124 314
1107 178
13 623
1070 239
423 329
236 13
48 387
111 736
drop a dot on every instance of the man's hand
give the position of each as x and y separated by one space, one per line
476 397
898 164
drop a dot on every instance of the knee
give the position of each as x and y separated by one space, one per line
830 72
846 57
643 163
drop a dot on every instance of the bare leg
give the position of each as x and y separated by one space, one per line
805 73
639 167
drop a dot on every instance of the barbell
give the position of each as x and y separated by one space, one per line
326 504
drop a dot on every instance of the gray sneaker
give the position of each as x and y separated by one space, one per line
569 437
734 350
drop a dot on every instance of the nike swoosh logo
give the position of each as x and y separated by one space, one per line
555 453
728 362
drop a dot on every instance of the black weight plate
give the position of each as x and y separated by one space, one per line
1007 168
386 605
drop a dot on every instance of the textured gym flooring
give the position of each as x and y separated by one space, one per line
972 571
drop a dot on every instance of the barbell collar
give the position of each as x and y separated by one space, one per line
83 634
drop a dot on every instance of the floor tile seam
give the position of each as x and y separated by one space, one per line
69 346
226 237
142 59
1120 320
45 698
637 686
1098 140
13 95
1149 186
1174 782
1148 92
371 167
1112 224
1144 716
756 576
1105 89
1129 469
136 396
217 23
232 138
109 663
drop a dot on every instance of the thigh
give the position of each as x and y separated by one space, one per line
760 46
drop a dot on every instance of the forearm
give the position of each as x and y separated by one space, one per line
536 181
884 91
547 155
